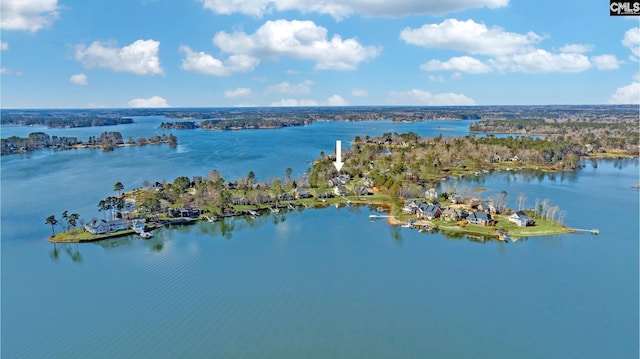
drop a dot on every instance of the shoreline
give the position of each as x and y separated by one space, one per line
501 232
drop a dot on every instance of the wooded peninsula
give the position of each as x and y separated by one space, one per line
107 141
394 173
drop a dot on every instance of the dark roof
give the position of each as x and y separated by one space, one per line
480 215
428 208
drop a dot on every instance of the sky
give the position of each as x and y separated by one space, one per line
234 53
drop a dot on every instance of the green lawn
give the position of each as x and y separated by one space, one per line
79 234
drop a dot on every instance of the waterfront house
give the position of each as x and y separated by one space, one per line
481 218
428 211
286 197
521 219
340 191
324 195
185 212
410 207
301 193
261 198
339 181
101 226
456 198
138 225
488 206
454 214
363 191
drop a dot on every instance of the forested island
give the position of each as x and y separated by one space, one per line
107 141
61 121
182 125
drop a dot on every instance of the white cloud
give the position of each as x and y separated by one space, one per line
154 101
508 51
286 87
359 93
342 8
8 71
541 61
605 62
425 98
336 100
436 78
294 103
30 15
141 57
206 64
469 36
466 64
576 48
4 46
239 92
632 41
629 94
79 79
300 40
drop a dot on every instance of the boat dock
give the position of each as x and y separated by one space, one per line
374 216
592 231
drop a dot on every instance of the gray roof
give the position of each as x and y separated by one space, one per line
483 216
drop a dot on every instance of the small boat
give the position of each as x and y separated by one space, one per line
380 209
291 207
274 210
409 224
253 213
211 218
145 235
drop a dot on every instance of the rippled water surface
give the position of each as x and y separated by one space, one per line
318 283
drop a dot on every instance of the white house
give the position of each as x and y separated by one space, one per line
100 226
521 219
431 194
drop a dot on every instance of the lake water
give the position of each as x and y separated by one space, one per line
319 283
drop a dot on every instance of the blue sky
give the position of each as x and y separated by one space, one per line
223 53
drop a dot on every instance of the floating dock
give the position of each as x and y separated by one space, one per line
592 231
374 216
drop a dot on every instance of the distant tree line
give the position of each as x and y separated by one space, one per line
254 123
62 122
182 125
618 134
34 141
107 141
